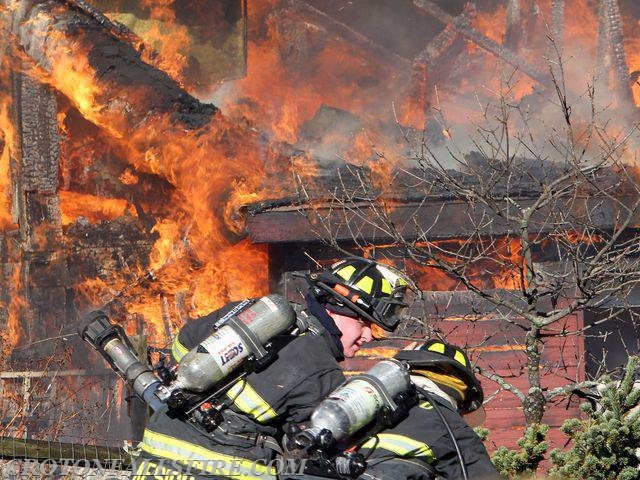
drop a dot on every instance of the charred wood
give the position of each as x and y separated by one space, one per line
39 143
166 319
132 90
482 41
514 30
117 29
615 35
181 310
557 23
425 65
35 157
347 32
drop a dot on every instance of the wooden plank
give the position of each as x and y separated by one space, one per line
38 127
34 175
50 31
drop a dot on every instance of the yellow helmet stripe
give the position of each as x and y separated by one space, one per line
459 356
346 272
365 284
447 380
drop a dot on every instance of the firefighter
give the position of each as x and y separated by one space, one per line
343 304
422 446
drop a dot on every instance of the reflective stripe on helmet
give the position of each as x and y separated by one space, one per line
437 347
365 284
372 291
250 402
346 272
454 352
459 356
203 459
392 275
448 366
402 446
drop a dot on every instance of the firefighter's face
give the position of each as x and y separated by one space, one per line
355 332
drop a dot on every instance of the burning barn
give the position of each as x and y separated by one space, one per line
161 159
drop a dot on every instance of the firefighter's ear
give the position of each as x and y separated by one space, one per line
411 346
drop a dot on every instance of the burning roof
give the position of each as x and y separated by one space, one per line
140 158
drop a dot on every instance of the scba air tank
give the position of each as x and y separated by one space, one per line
228 347
357 402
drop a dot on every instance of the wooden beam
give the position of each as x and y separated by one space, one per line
432 219
482 41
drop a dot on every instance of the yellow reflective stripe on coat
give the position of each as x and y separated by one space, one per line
401 445
250 402
203 459
178 350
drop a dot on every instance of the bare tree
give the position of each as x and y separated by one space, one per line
543 192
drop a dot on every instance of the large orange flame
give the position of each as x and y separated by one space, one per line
214 169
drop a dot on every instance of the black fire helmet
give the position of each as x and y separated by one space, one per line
362 288
439 361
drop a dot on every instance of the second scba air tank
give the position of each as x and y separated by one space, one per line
357 403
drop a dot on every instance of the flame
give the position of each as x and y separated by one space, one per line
576 237
76 78
95 209
501 266
129 177
632 48
12 334
7 139
328 74
214 170
168 40
492 24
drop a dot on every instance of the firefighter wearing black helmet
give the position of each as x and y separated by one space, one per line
343 303
434 440
368 289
